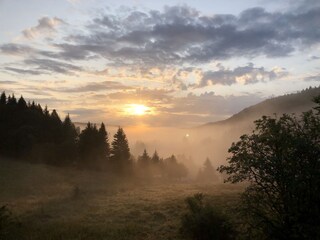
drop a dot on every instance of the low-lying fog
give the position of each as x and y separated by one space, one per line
190 145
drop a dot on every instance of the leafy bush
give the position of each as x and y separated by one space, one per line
204 222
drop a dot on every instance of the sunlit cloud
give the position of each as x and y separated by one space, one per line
45 25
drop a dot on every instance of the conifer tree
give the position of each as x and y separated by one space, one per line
120 151
155 158
3 99
12 100
207 173
144 160
104 142
22 103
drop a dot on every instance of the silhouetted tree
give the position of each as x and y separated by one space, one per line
103 145
281 162
120 152
22 103
3 99
69 143
12 101
28 132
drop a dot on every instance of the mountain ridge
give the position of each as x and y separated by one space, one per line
278 105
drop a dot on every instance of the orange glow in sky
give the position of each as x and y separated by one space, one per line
137 109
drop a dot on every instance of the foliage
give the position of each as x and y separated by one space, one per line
281 162
204 222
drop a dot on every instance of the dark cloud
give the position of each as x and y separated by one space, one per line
47 65
315 77
23 71
15 49
181 34
246 75
313 58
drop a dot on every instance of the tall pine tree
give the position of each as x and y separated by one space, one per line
120 152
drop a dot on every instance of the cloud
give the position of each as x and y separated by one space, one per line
7 82
16 49
23 71
312 58
181 34
182 111
97 86
86 113
315 77
45 25
245 75
48 65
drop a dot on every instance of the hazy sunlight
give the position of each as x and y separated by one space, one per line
137 109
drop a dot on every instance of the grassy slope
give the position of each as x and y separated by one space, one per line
43 199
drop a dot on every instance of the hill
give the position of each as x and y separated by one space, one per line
214 139
291 103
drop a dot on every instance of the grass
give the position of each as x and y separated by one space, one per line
52 203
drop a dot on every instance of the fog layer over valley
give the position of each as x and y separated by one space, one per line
193 145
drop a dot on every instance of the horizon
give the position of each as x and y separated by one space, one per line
170 64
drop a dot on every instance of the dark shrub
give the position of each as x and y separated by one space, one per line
204 222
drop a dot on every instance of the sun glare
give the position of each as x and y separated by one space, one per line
137 109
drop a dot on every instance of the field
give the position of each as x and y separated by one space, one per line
52 203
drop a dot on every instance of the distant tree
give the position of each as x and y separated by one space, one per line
173 169
3 98
144 165
281 162
69 143
54 115
12 101
46 112
155 158
207 173
88 142
144 160
104 145
120 152
22 103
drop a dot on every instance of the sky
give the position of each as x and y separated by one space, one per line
157 63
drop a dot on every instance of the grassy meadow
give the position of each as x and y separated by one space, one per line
53 203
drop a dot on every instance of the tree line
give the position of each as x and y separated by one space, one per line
30 132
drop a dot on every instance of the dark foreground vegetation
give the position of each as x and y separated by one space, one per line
276 168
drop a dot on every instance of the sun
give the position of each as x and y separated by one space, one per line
137 109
